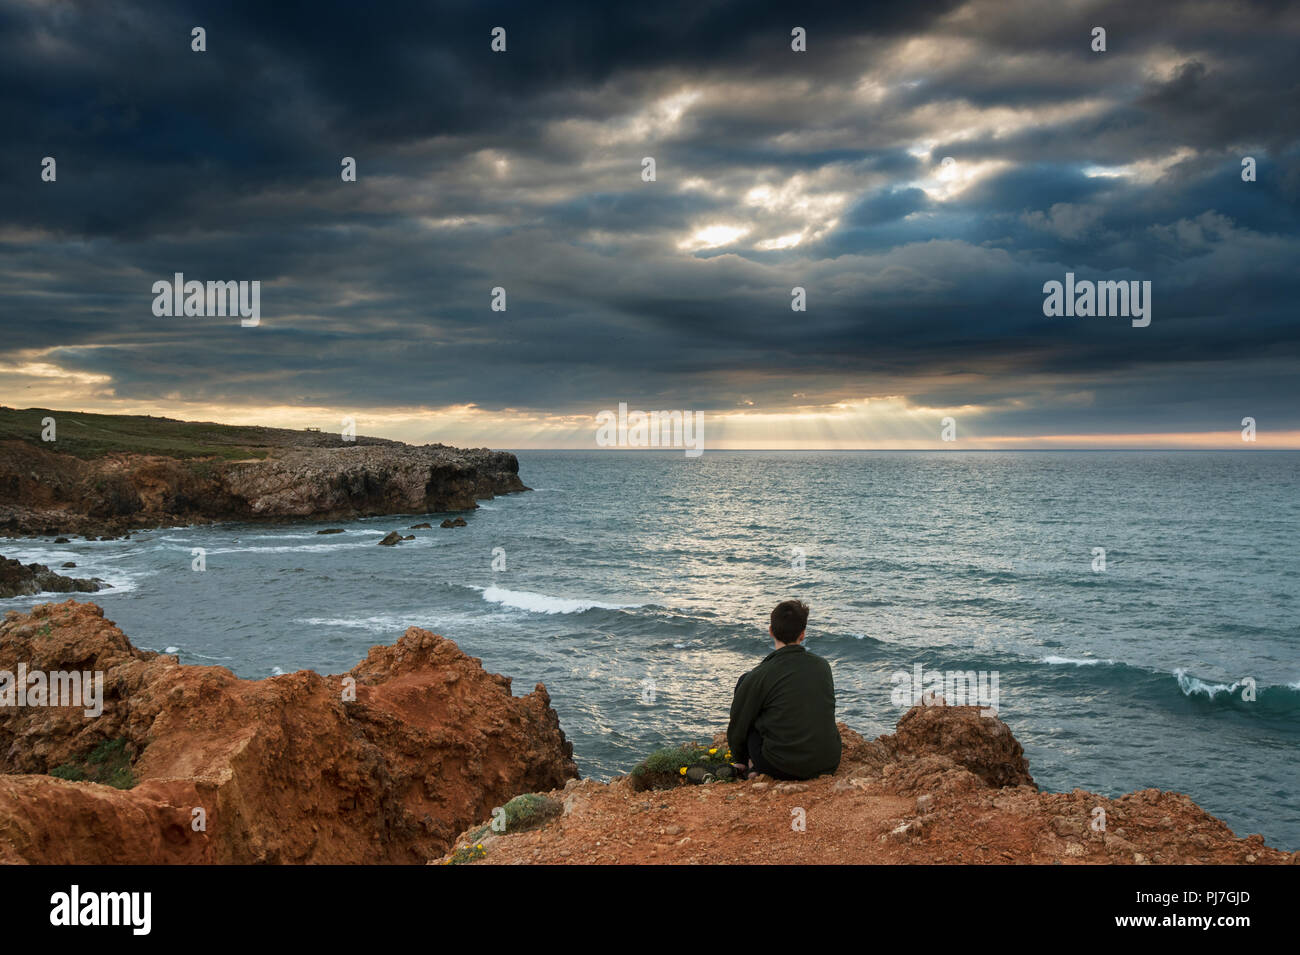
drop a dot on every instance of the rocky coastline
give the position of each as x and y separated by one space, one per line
150 472
412 754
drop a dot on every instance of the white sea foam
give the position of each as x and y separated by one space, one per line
543 603
1190 685
381 623
1075 661
292 548
115 580
395 624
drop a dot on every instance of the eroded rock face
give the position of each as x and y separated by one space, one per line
982 744
20 580
45 492
288 769
356 481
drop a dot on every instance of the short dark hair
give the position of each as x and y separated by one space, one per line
789 619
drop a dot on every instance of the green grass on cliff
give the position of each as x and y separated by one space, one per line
107 763
466 854
667 767
523 812
677 758
95 435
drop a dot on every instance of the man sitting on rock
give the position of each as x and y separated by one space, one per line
783 711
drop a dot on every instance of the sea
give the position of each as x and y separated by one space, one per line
1136 611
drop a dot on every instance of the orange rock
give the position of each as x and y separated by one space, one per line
949 785
287 769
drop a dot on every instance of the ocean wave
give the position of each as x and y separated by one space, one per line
291 548
1179 689
396 624
179 651
260 535
1274 699
1191 686
381 623
544 603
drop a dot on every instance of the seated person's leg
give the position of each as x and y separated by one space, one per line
755 744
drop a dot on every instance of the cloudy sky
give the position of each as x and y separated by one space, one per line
921 171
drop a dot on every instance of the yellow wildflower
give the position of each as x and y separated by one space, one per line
683 770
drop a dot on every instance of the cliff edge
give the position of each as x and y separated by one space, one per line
108 473
190 764
948 786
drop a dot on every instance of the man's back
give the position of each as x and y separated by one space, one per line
789 699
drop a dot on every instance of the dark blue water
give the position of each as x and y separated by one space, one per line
626 567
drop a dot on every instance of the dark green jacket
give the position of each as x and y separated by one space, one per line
790 699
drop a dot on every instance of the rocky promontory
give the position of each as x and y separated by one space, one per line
950 785
191 764
115 472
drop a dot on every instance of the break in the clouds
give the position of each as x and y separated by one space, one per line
922 170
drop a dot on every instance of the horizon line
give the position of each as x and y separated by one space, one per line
680 451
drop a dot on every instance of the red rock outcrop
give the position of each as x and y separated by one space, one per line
984 745
948 786
287 769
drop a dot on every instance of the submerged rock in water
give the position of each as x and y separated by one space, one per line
331 530
391 538
19 580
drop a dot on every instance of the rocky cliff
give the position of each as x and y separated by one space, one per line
948 786
385 763
388 762
147 472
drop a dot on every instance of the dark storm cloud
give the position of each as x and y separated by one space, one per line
522 170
